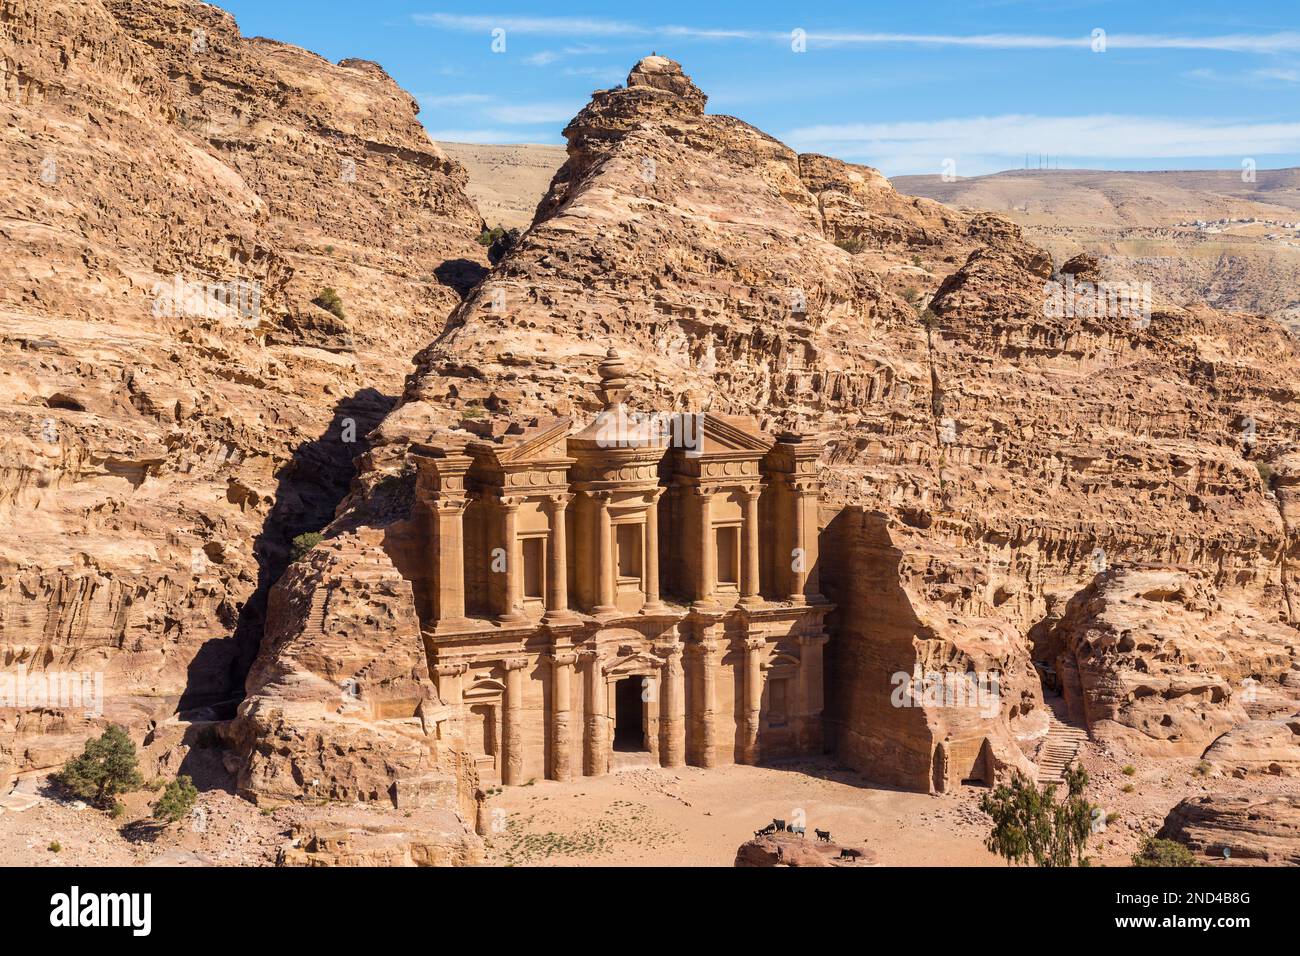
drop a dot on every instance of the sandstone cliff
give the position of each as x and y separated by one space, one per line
175 407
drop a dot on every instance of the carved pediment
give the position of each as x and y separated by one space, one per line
724 433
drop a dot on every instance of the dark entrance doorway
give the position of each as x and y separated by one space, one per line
629 715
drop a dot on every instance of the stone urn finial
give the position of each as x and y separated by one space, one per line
613 385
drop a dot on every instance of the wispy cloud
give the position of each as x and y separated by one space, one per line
482 136
988 143
435 101
1258 43
524 114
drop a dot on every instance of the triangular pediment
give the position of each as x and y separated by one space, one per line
542 441
733 433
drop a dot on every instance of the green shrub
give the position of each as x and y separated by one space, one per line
302 544
104 769
1032 826
1128 788
55 846
1157 852
176 801
1129 770
852 245
1265 473
329 300
489 236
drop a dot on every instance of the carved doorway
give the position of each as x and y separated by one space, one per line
629 715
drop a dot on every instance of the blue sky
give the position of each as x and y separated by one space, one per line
904 86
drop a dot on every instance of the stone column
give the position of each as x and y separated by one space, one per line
605 580
557 561
653 603
511 610
449 562
799 558
707 739
595 746
706 570
749 543
562 662
809 725
512 721
755 647
672 722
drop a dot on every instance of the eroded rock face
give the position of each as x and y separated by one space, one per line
428 839
174 407
1259 747
1158 659
340 705
1259 830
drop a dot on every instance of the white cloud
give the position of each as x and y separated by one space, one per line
544 58
989 143
479 136
526 113
434 101
1259 43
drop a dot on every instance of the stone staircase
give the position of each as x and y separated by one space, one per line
1063 744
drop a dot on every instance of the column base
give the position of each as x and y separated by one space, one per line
514 617
605 610
752 600
449 624
556 618
706 604
654 607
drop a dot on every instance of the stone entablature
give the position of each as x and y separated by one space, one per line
627 587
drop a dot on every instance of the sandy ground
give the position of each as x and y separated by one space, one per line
694 817
641 816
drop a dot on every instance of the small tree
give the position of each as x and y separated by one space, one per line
1029 824
302 544
1158 852
176 801
329 300
105 768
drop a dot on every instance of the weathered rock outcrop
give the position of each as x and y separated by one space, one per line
340 704
1259 747
173 408
1156 658
1259 830
786 850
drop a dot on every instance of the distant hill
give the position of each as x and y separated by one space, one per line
506 182
1143 226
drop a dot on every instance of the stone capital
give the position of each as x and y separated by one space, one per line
508 502
556 503
448 506
564 658
753 643
513 663
451 669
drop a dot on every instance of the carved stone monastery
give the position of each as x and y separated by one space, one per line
636 586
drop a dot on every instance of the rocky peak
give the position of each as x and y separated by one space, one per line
661 73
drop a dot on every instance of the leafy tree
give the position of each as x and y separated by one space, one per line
302 544
1157 852
104 769
1030 825
176 801
329 300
